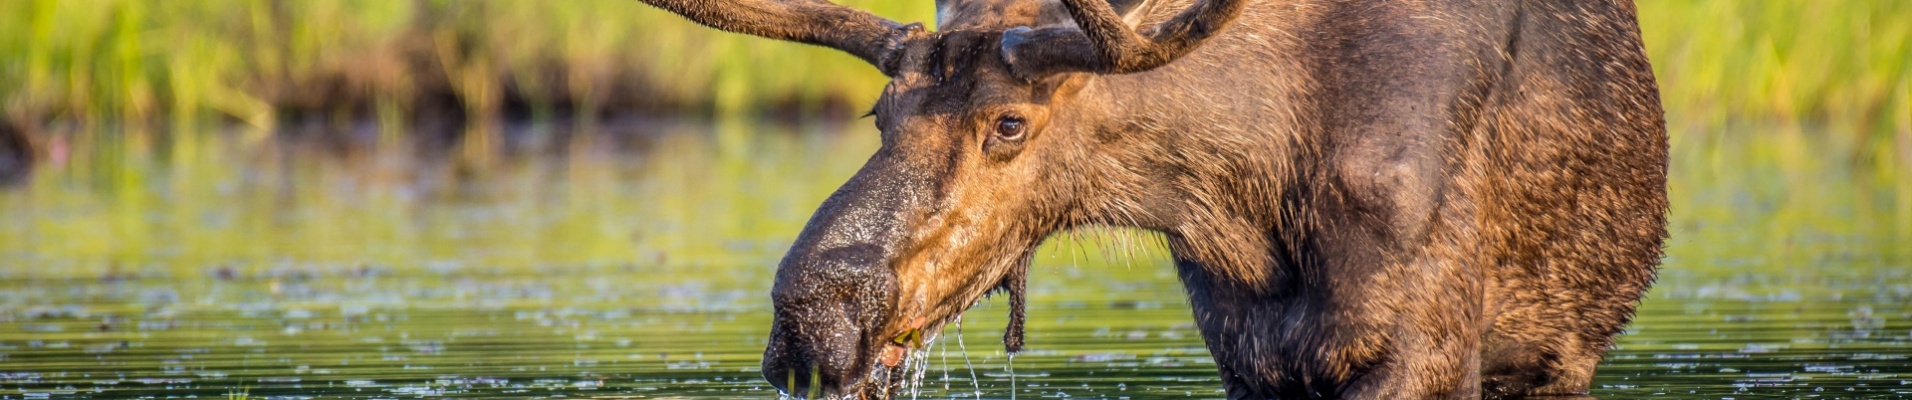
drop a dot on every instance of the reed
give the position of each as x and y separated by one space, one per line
1843 63
261 63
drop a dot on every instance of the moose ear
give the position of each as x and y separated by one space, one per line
1033 53
1105 42
1131 11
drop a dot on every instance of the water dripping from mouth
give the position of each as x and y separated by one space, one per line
945 349
910 382
1010 365
916 366
966 364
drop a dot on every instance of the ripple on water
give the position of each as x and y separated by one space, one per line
612 271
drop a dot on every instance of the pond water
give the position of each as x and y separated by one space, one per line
635 262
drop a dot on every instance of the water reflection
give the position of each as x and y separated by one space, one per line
634 261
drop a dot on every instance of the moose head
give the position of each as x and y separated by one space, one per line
988 148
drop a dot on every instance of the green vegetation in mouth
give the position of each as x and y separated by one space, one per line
816 383
912 338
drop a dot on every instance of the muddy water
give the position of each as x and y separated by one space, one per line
635 262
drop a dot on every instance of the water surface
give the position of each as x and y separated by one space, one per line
635 262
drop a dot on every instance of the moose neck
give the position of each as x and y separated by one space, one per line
1203 158
1237 184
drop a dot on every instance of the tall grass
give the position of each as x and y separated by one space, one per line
260 62
257 61
1820 62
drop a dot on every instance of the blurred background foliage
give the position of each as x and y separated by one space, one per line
264 62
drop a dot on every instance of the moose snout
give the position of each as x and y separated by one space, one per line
828 305
811 365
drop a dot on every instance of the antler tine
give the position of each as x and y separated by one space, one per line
874 39
1124 50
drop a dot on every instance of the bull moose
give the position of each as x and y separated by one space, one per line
1363 198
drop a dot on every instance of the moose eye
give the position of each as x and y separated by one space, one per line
1010 127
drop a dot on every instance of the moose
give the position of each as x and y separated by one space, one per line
1364 199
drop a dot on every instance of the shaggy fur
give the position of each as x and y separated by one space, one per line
1364 199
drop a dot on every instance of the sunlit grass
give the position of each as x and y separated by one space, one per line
1838 62
250 61
1830 62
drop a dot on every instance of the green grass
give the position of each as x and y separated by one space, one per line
1821 62
1840 62
253 61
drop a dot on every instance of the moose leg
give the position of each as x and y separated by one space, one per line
1427 358
1374 297
1301 343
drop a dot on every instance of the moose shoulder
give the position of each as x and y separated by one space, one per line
1364 199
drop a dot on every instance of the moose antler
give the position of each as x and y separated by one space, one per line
1104 43
874 39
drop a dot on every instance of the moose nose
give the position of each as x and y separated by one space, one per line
813 360
835 289
827 301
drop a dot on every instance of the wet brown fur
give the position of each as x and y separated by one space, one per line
1365 199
